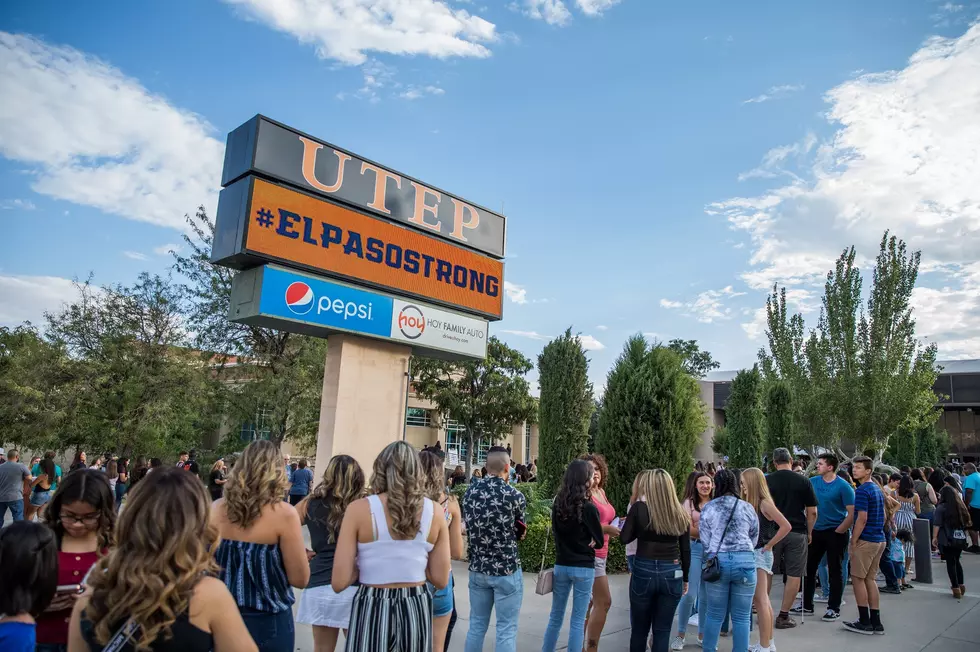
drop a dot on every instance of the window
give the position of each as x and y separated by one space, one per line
456 442
418 417
258 428
527 442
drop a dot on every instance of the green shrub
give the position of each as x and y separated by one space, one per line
529 489
531 547
459 491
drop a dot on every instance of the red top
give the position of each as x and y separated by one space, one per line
607 514
52 627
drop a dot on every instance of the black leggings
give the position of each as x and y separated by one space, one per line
953 566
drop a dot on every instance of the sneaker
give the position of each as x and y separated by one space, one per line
974 549
879 630
892 590
831 616
755 647
699 642
694 621
821 598
677 643
784 623
908 586
801 611
860 628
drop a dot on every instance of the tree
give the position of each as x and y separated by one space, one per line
277 380
487 397
565 408
779 416
743 420
652 416
696 361
594 423
860 375
719 443
903 447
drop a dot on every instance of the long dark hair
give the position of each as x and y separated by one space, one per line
957 515
905 487
937 480
574 491
47 468
28 568
726 484
691 489
87 486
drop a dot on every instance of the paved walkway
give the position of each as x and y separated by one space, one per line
924 619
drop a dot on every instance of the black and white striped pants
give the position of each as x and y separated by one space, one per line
391 620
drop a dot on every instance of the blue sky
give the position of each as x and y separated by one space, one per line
660 164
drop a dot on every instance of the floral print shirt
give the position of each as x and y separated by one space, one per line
491 509
742 533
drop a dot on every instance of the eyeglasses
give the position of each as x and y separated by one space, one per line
89 519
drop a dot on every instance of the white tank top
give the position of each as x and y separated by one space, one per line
387 561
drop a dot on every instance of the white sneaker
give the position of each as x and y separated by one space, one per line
821 598
755 647
699 642
677 643
694 620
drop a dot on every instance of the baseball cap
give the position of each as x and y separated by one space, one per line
2 452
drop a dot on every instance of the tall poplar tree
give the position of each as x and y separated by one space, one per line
743 420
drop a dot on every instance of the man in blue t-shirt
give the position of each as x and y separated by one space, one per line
302 483
867 546
835 514
971 495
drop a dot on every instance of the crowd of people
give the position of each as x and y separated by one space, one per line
173 563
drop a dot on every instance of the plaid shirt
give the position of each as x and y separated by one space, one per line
491 508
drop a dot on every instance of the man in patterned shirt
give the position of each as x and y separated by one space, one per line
493 511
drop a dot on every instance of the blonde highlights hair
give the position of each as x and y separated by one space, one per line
257 479
667 516
397 473
343 483
755 489
150 575
433 478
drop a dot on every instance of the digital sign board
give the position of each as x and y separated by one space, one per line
259 221
276 297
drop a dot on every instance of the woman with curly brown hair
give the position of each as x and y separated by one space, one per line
82 514
156 591
262 552
398 540
601 596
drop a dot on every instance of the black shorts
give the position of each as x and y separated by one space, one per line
975 517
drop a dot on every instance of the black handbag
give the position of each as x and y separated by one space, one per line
710 567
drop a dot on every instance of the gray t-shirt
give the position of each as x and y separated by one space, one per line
12 476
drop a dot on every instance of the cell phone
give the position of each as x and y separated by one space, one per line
520 528
68 588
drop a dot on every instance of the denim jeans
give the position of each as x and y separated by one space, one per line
735 589
694 586
578 583
824 574
16 508
505 592
655 590
272 632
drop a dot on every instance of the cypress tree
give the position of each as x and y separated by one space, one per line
743 420
565 408
779 416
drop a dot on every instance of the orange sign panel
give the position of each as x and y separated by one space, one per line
298 229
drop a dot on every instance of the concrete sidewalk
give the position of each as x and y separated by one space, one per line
924 619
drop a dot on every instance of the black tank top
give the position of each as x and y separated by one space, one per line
321 566
186 638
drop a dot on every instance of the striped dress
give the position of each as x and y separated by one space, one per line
903 521
255 575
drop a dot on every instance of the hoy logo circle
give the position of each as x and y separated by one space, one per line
411 322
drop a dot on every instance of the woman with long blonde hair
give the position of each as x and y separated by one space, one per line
398 540
262 552
155 591
443 600
773 528
323 512
660 525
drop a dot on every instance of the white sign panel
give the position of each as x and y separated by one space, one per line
422 325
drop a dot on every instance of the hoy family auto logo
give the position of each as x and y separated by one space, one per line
299 298
411 322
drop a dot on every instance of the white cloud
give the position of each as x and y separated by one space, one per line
17 204
27 298
515 293
904 158
774 162
601 327
595 7
417 92
135 255
534 335
756 328
707 306
775 93
553 12
347 30
590 343
96 137
165 249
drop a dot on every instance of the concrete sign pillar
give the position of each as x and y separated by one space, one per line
362 408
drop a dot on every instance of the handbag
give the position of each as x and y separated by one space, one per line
710 567
958 540
546 577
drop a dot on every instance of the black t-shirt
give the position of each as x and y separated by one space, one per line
572 538
792 494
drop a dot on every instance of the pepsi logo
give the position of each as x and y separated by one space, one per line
299 298
411 322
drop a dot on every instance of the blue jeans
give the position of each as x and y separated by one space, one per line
655 590
272 632
734 590
16 508
506 592
686 607
824 574
578 583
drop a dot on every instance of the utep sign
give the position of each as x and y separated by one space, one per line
267 148
275 297
260 221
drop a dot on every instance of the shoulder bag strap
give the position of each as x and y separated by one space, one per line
125 634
